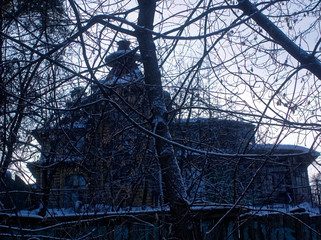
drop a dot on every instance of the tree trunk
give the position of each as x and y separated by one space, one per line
175 193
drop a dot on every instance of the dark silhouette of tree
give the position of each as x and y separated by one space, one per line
35 23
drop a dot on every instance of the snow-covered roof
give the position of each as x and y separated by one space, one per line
284 149
135 76
122 56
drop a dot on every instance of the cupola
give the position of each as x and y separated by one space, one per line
124 67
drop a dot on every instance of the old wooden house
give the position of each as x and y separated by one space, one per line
102 156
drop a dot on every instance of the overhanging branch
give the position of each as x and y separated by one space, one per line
308 61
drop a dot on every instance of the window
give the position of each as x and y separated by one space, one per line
75 189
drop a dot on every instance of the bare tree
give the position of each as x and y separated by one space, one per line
255 63
28 28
